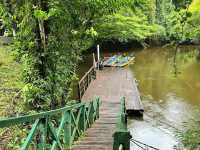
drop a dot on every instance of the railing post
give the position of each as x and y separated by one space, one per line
82 122
94 73
98 106
84 88
30 137
122 136
90 77
79 92
42 134
91 113
88 80
68 130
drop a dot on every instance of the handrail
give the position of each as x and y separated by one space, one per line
7 122
85 75
85 81
56 131
122 136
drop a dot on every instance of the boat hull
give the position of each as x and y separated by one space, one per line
117 61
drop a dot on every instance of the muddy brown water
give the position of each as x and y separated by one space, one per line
169 83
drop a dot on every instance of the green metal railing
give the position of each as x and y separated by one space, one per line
122 136
57 128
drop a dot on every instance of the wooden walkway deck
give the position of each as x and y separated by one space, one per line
111 84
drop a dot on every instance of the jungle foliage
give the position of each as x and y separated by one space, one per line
49 38
179 20
133 23
126 26
50 35
161 20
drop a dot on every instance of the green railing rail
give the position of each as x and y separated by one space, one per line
56 129
122 136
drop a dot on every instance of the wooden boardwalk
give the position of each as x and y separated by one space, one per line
111 84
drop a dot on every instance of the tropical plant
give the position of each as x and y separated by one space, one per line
125 26
51 34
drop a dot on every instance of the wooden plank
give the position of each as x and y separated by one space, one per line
99 136
110 85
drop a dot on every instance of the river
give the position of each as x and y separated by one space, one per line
169 84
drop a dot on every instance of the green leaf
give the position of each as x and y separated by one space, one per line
42 15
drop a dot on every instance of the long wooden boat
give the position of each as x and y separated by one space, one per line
109 61
118 61
124 61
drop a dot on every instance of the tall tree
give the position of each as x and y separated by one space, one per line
50 38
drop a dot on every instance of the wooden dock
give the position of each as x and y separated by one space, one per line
110 85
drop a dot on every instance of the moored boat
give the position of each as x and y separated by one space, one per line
118 61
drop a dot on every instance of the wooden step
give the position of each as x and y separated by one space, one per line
111 85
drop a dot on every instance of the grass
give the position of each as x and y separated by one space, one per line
191 136
10 83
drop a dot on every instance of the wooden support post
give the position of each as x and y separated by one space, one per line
98 55
94 61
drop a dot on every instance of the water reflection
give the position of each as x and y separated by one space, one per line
154 69
169 85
